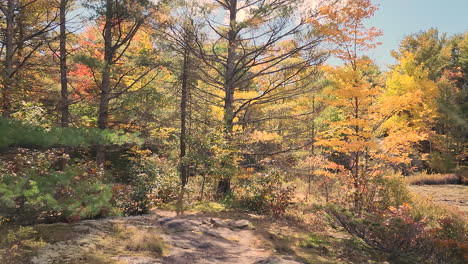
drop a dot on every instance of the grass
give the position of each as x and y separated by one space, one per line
425 207
18 244
204 206
54 233
424 178
211 207
117 239
95 257
133 239
143 241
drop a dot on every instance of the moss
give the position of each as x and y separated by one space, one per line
313 241
211 207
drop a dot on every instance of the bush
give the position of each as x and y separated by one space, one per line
390 191
442 162
450 241
406 238
31 190
18 244
144 181
395 232
265 193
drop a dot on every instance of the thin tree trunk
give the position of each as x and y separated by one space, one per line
183 131
63 65
202 190
8 81
103 114
312 150
65 119
357 177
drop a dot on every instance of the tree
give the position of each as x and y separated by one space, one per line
181 34
64 102
430 62
429 50
361 133
121 21
257 40
26 26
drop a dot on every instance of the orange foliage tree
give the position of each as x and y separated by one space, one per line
360 134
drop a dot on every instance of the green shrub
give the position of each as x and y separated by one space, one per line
144 180
442 162
17 133
391 190
18 245
31 190
264 193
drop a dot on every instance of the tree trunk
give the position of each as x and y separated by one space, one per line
65 119
8 81
63 65
202 190
183 166
103 114
312 151
224 185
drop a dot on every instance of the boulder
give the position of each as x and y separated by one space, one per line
217 223
181 225
241 224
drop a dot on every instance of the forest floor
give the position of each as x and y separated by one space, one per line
448 194
195 238
211 235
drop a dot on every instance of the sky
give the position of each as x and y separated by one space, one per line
399 18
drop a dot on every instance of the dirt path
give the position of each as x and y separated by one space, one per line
191 239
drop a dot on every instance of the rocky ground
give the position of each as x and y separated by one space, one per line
160 238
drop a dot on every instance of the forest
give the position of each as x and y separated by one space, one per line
228 131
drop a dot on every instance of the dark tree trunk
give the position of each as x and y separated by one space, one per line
224 185
183 167
8 81
103 114
65 119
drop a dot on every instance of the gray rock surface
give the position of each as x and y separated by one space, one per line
241 224
190 239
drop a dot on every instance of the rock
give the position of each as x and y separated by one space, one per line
217 223
205 245
210 233
80 228
183 258
181 244
181 225
276 260
137 260
164 220
270 260
241 224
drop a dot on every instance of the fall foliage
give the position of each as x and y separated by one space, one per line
113 107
